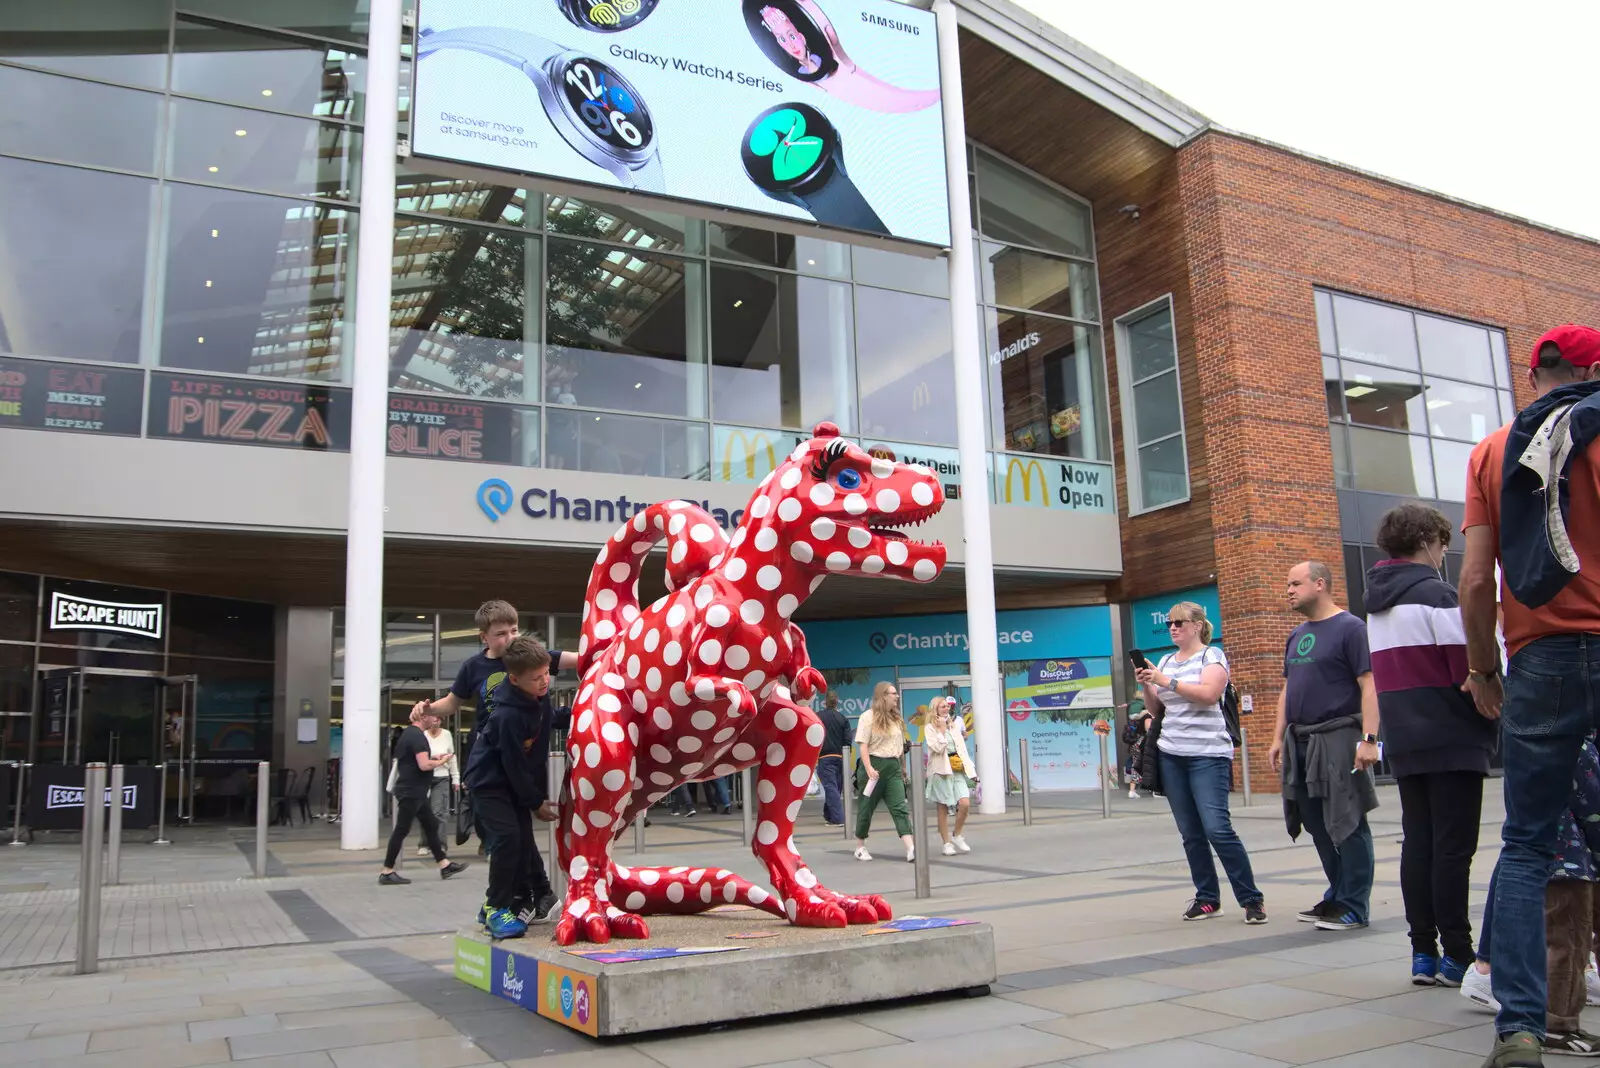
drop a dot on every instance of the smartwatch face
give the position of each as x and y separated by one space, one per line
607 16
606 105
791 38
789 149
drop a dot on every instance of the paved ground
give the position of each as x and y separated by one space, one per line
1096 970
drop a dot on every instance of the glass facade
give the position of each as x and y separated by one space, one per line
194 168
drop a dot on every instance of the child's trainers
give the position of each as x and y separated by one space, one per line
483 914
1451 972
1477 988
1424 969
502 924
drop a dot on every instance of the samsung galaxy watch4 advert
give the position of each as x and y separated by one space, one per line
820 112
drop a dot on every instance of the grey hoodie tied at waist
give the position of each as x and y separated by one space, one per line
1330 754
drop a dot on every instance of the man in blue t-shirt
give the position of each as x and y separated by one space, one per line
1325 744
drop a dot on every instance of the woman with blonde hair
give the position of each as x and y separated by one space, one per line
950 770
881 736
1196 761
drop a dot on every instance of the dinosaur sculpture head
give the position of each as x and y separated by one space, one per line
831 508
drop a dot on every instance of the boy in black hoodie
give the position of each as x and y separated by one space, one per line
508 774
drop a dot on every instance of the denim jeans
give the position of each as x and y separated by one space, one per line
1348 864
830 769
1486 928
1549 708
1197 790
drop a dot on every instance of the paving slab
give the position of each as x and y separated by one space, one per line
1262 1001
1001 1047
1136 1025
1321 1035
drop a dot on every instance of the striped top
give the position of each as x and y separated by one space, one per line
1417 645
1188 729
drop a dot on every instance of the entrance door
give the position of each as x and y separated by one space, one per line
915 693
100 714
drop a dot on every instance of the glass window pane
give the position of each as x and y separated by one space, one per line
529 438
215 626
261 70
1342 476
1377 396
78 122
1017 278
894 270
1325 342
1355 580
1156 408
1150 343
1018 208
1508 407
460 321
1383 462
658 231
459 198
1455 349
255 284
1335 388
781 349
407 646
809 255
1163 475
458 640
1049 380
1450 465
749 454
1375 333
624 330
907 385
117 40
65 233
624 445
1497 353
1457 410
19 606
344 20
273 153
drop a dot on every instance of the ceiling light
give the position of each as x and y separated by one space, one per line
240 133
213 233
638 385
208 283
1358 391
200 340
1383 409
738 303
268 92
811 263
597 418
1435 404
213 170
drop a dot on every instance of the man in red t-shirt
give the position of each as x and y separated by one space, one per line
1551 691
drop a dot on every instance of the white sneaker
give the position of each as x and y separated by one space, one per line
862 854
949 849
1591 981
1133 792
961 843
911 853
1477 988
424 852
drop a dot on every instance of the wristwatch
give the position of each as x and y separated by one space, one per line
794 155
1491 674
595 110
798 37
1370 739
607 16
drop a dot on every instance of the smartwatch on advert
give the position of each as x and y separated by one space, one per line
797 36
794 155
607 16
595 110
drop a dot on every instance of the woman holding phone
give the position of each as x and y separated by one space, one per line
1185 691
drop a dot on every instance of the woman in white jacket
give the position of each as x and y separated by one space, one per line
949 769
446 777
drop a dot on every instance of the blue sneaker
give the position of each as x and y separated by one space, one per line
1344 921
483 915
1425 970
503 924
1451 972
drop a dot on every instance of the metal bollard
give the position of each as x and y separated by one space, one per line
638 832
1244 757
16 822
919 821
263 802
747 787
847 793
1105 778
161 810
94 799
114 828
1027 792
552 864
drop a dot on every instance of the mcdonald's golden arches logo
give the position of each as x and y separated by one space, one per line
1028 469
921 396
748 447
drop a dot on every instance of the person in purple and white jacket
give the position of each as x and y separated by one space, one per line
1436 743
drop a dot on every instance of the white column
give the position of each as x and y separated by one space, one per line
971 433
363 591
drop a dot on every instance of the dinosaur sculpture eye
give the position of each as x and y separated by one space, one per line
848 479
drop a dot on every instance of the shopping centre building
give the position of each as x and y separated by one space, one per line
1205 358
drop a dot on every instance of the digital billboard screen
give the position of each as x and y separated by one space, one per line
825 112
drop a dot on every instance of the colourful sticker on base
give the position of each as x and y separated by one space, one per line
918 923
627 956
513 976
473 961
569 998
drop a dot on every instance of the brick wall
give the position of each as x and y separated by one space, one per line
1262 227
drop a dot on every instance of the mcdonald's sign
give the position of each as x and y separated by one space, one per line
748 455
921 396
1028 469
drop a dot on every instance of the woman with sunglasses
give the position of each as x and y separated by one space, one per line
1185 693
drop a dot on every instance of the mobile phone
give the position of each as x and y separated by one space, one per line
1138 660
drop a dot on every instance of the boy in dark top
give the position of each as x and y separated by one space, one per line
508 774
414 768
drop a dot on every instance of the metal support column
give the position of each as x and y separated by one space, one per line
747 787
552 863
114 827
16 821
1027 791
847 795
263 815
161 810
919 822
94 799
1244 758
1105 777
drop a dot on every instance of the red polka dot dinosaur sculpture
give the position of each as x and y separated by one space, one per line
702 683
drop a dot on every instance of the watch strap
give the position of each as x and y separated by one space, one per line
1370 739
855 86
647 176
840 203
514 47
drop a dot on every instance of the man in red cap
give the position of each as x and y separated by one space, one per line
1533 507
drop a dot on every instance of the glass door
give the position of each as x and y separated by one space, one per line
177 740
60 693
916 693
121 718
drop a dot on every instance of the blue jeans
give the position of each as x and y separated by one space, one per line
1197 790
1487 925
830 769
1550 708
1349 864
715 791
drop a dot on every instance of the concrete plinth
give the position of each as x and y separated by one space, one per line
751 964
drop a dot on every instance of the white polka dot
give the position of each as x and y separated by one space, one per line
640 547
784 719
622 871
776 754
585 789
649 876
638 522
752 611
635 901
793 811
789 602
766 791
705 689
805 878
769 578
613 680
821 494
814 734
721 736
743 752
703 720
605 630
710 651
661 778
652 639
583 644
600 819
789 510
608 701
631 612
663 718
703 595
586 720
675 892
701 532
823 528
591 754
872 565
897 552
671 654
735 569
679 694
620 571
802 551
660 754
677 524
579 908
718 615
800 775
578 868
652 679
791 478
767 832
783 692
676 615
605 600
679 551
613 779
638 625
760 507
924 570
860 537
691 770
769 647
612 732
633 667
881 468
838 562
757 895
579 828
888 501
633 733
791 847
855 504
690 744
696 875
730 891
754 679
736 657
738 536
922 493
705 893
766 539
791 908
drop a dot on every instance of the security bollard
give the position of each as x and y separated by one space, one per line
919 821
161 810
557 781
1027 793
847 794
1244 756
263 802
638 831
747 786
1105 777
16 822
94 800
114 828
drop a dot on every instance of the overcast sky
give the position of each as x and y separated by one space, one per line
1495 103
